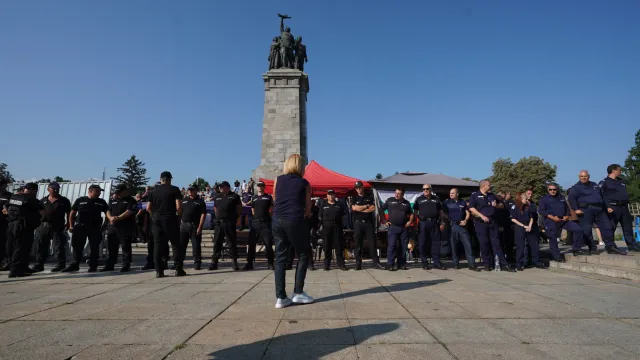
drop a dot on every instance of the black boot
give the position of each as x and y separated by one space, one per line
474 268
58 268
5 267
358 265
379 266
578 252
107 268
125 268
180 272
71 268
159 274
271 267
37 268
248 266
614 250
148 266
214 265
197 266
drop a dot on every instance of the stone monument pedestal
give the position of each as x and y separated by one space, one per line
284 125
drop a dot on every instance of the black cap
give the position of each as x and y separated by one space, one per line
54 185
331 192
95 187
192 187
225 183
166 175
120 187
31 186
260 183
359 184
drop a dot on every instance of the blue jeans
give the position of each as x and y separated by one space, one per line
460 234
289 234
397 242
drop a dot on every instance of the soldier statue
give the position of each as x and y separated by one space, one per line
287 43
301 54
274 54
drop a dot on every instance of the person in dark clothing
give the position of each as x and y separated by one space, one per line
330 218
85 221
505 226
23 213
4 199
616 199
292 205
165 208
247 216
52 227
521 213
458 213
227 207
428 209
194 212
400 219
121 228
261 206
143 222
362 208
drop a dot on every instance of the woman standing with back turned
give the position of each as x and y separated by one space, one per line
292 204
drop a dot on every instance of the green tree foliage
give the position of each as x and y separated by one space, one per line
60 179
201 184
5 173
631 170
133 173
44 180
528 173
469 179
378 176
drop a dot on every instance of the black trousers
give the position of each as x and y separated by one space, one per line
21 238
260 231
288 234
225 229
147 238
164 230
360 231
116 238
79 237
189 231
332 236
47 232
507 240
4 254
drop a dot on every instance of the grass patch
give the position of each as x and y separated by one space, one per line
179 346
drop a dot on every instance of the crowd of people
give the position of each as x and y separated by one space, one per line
507 229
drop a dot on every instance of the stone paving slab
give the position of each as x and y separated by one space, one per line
369 314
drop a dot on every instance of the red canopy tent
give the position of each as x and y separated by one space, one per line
323 179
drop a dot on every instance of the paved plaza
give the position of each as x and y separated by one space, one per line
370 314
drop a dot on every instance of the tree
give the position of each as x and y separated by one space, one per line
469 179
378 176
528 173
134 175
60 179
46 180
631 170
201 183
5 173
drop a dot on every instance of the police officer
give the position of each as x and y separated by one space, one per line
505 225
428 209
521 213
483 204
4 199
23 217
121 228
194 212
261 205
616 199
556 214
362 209
400 219
85 221
586 198
330 216
143 220
165 207
458 215
227 207
52 227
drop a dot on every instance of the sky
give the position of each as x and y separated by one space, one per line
427 86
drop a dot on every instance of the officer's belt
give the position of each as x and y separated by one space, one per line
362 221
191 222
427 218
457 222
619 203
331 222
584 205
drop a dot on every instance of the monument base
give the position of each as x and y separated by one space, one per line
284 125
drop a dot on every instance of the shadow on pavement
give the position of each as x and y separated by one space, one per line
294 344
384 289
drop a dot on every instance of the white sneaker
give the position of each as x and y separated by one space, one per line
302 298
283 303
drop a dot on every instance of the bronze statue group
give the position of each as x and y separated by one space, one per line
286 51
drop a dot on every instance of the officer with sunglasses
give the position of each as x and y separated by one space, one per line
554 208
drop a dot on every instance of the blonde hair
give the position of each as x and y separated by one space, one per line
294 165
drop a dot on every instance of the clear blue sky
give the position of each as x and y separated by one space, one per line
434 86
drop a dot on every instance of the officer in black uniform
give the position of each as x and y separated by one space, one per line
400 218
330 215
505 226
362 209
4 199
261 205
616 198
227 207
429 210
52 227
143 221
165 208
23 216
85 221
121 228
194 212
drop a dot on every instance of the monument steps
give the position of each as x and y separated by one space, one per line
617 266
